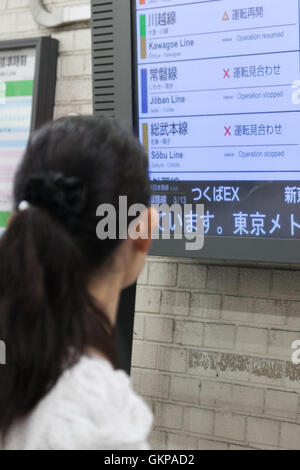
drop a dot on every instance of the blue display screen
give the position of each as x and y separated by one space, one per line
219 111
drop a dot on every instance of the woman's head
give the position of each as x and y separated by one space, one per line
88 162
50 253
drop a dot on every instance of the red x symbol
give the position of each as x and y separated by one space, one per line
226 73
227 130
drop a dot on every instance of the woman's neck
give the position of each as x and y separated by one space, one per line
106 290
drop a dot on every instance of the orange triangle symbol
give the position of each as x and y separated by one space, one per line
225 16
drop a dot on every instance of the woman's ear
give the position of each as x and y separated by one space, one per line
146 228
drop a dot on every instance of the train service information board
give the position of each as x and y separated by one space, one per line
17 68
219 102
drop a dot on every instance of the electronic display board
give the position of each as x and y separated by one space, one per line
217 108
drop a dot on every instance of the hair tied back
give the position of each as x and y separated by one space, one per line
60 194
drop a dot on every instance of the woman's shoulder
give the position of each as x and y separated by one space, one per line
92 406
93 380
94 384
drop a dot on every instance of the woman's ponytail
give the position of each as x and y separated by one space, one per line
43 305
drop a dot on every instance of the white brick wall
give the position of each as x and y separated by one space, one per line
198 421
158 329
185 389
290 436
230 426
74 87
229 361
263 431
212 343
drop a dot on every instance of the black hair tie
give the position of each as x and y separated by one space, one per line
61 195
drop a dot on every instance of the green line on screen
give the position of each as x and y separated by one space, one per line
4 216
143 26
23 88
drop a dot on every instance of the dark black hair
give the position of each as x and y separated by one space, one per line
50 251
